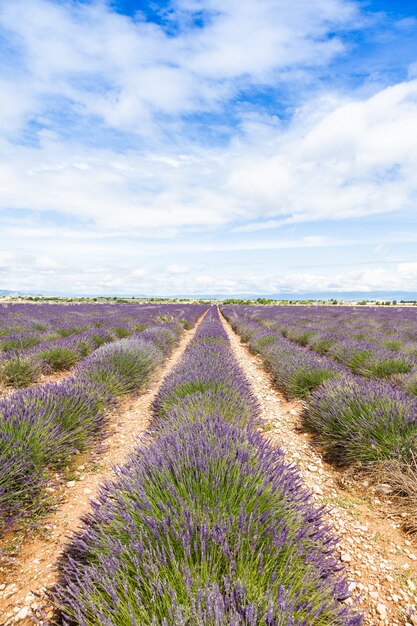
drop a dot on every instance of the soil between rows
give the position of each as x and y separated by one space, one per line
54 377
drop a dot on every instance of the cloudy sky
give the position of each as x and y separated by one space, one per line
208 146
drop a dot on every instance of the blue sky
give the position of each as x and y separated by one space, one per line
199 146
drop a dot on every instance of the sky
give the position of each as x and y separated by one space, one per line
201 146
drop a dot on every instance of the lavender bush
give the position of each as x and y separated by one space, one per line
408 383
41 428
374 343
20 371
207 378
369 360
363 421
58 359
121 366
296 370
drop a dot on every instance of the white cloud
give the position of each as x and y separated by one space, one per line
256 38
367 279
123 71
7 261
139 272
177 269
95 120
46 263
358 159
338 159
122 277
406 23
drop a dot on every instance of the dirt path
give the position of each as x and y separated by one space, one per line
23 583
8 390
380 561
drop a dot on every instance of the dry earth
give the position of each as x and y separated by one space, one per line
7 390
380 560
24 578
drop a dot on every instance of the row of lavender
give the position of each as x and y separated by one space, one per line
206 525
41 428
356 419
45 338
372 342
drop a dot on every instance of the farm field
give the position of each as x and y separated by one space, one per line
43 339
178 475
357 373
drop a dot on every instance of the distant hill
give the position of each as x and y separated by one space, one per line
6 292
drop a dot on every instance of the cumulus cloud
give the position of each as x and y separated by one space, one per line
139 272
122 277
367 279
7 261
177 269
46 263
124 71
358 159
113 128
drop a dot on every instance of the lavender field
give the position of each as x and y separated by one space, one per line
206 523
356 370
46 338
43 426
